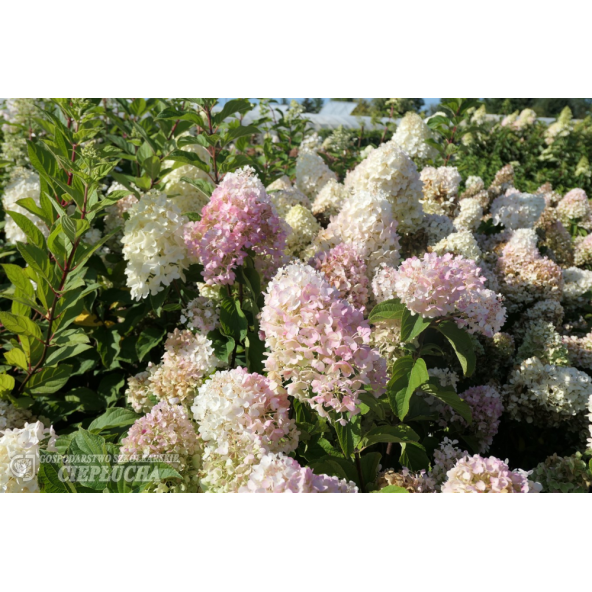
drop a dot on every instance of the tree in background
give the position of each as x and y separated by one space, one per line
312 105
543 107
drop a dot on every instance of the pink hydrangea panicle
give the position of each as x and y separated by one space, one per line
165 430
345 270
445 285
277 473
319 343
476 474
239 217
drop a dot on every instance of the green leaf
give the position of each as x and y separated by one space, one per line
448 395
373 403
232 319
91 453
389 309
63 353
49 380
414 457
231 107
223 345
18 276
240 131
115 417
20 325
48 476
412 325
152 167
108 345
369 463
346 438
6 383
419 375
17 357
188 158
461 343
255 348
392 489
149 338
26 225
397 434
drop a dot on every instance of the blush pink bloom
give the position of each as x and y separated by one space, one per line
240 217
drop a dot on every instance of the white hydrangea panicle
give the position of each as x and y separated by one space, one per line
153 245
304 228
365 222
19 456
312 174
546 394
25 183
411 135
440 190
470 215
388 170
459 243
330 199
437 227
517 210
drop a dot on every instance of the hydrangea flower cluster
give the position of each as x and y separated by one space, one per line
583 252
411 135
345 270
312 174
114 214
153 245
23 443
577 286
285 199
547 393
439 286
165 430
13 417
543 341
421 482
517 210
366 222
240 420
239 217
579 350
304 227
559 474
486 410
187 360
25 183
139 393
388 170
440 189
525 276
277 473
437 227
201 314
318 342
470 215
459 243
475 474
330 198
575 207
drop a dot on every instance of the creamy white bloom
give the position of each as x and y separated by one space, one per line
19 457
469 216
25 184
437 227
330 198
459 243
153 245
411 135
304 229
389 170
517 210
557 391
312 173
440 189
